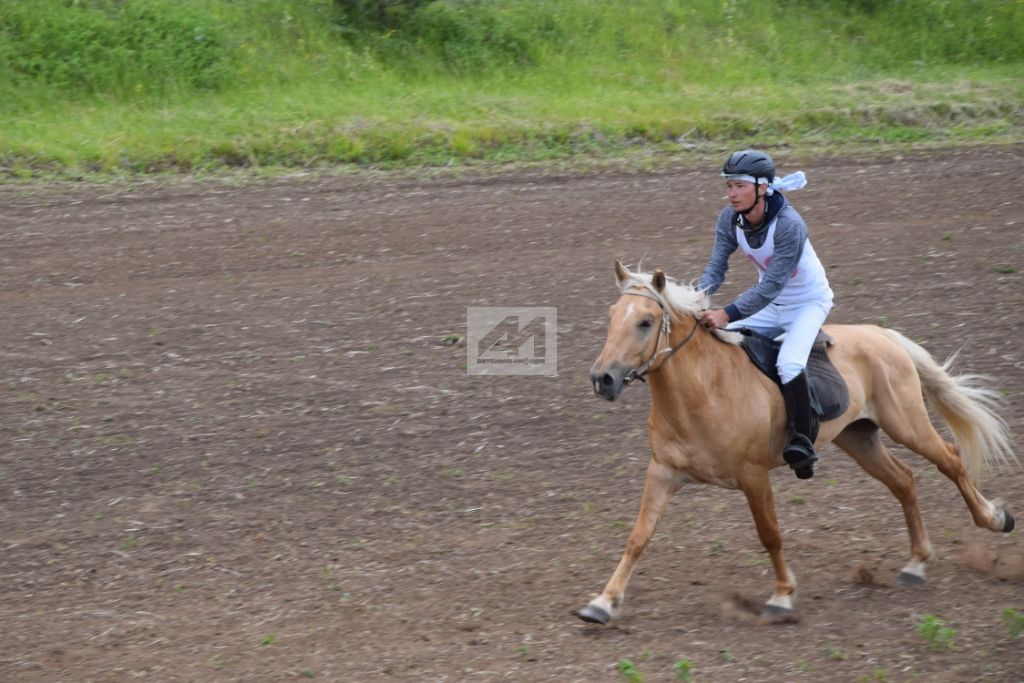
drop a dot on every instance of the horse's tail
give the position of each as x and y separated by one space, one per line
968 407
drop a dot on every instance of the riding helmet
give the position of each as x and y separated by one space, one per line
752 162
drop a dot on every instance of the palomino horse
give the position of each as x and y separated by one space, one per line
716 419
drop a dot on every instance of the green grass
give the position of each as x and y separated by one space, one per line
629 671
683 669
1014 621
936 633
117 87
833 652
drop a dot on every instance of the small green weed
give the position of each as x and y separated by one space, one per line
726 656
218 662
936 633
1006 270
629 672
268 639
683 670
1014 622
834 653
876 675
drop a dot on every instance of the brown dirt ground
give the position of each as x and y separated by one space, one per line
237 448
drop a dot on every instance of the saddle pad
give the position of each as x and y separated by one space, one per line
829 395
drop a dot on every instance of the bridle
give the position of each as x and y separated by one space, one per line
665 329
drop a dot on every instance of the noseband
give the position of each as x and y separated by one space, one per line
665 329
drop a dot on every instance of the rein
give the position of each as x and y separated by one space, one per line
666 328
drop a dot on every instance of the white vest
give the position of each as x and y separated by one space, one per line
808 282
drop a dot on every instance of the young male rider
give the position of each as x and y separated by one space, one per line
792 293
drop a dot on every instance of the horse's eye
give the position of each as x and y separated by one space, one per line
646 323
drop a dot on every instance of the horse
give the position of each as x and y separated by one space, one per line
716 419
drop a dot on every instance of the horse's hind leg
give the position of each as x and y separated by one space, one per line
914 430
659 485
862 441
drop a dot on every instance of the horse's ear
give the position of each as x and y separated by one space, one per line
658 280
621 274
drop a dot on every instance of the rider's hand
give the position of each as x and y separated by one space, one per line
714 319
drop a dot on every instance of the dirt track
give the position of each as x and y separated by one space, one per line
237 447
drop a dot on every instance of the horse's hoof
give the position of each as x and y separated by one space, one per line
776 613
593 614
804 472
1007 522
908 580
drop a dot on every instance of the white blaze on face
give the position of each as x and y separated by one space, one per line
629 310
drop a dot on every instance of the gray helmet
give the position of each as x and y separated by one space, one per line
752 162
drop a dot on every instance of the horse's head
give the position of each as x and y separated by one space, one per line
634 331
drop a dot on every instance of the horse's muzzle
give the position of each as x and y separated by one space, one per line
608 383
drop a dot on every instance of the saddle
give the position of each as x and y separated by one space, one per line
829 395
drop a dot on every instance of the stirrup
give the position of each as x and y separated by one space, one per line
799 454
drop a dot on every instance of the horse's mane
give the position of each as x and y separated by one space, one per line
684 300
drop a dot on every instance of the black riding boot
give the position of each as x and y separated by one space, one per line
803 427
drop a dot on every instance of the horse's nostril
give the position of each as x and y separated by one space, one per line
607 380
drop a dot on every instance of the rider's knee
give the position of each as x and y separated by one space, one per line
789 371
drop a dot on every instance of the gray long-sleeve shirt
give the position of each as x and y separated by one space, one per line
790 235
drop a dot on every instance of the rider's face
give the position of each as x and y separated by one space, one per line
740 193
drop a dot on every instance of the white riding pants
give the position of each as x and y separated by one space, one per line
800 322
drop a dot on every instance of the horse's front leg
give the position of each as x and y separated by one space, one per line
659 485
758 490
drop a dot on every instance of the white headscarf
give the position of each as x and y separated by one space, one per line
793 181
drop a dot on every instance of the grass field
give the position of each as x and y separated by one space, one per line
140 86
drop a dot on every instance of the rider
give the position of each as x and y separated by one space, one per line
792 293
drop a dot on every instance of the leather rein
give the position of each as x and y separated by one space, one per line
665 329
